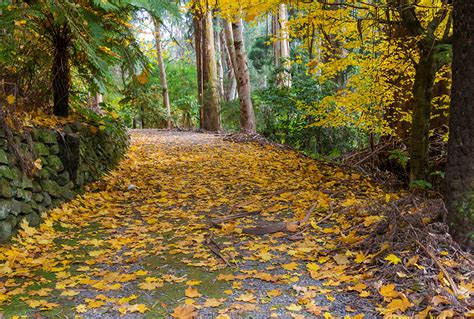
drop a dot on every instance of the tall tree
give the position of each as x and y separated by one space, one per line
161 65
460 168
281 46
241 70
211 106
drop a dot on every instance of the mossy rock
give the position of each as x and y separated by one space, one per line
41 149
33 219
55 163
38 197
45 136
52 188
8 172
5 188
24 195
5 230
25 182
47 201
10 206
63 178
3 157
54 149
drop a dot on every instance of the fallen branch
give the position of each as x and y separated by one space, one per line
215 248
441 267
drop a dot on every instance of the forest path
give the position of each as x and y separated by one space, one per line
138 243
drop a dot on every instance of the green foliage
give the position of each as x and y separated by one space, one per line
279 118
420 184
400 156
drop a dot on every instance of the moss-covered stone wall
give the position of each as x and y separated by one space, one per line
69 157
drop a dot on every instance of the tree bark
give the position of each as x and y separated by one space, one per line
161 65
281 46
61 72
211 107
247 115
420 129
198 46
231 85
219 62
460 167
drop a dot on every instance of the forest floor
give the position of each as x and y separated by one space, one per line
190 225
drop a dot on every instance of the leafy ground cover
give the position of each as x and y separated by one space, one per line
190 225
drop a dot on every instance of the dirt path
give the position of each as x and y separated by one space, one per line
136 244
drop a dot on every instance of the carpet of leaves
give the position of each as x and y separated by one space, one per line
141 242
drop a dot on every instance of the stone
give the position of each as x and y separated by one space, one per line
5 230
36 187
26 208
24 195
38 197
5 188
33 219
24 182
8 172
46 199
63 178
54 149
41 149
45 136
52 188
10 206
3 157
43 174
55 163
13 220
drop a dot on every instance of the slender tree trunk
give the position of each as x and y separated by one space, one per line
231 85
281 46
229 37
161 65
420 129
460 167
61 74
198 46
247 115
211 107
219 61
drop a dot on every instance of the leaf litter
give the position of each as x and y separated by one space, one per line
190 225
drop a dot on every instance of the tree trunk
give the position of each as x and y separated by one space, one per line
460 167
420 129
161 65
198 46
211 107
61 74
231 85
281 46
247 115
219 62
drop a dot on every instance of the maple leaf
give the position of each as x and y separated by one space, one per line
213 302
184 312
150 285
10 99
192 292
69 293
141 308
393 259
274 293
294 307
81 308
291 266
388 291
246 297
